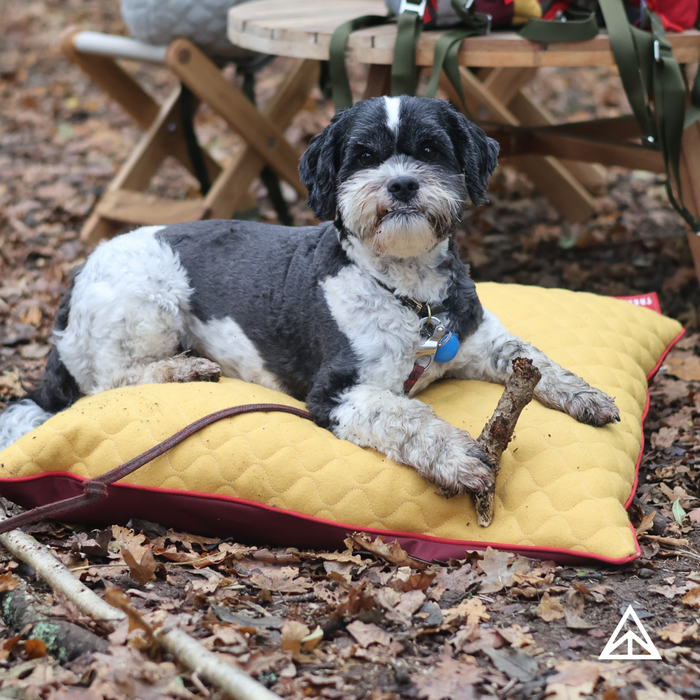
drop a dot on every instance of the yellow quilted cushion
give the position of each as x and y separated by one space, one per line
279 479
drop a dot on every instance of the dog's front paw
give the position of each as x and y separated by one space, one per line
593 407
461 466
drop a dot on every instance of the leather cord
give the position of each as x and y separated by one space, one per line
96 489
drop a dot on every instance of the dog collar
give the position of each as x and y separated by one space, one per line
439 343
422 308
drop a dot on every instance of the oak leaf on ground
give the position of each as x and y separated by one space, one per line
391 551
549 608
449 680
679 631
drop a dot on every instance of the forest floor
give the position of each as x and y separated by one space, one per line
360 623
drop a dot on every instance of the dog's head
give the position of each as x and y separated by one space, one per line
396 172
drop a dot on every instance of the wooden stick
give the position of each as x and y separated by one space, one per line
498 431
27 549
188 651
208 666
25 614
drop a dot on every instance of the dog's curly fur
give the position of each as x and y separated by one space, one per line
310 311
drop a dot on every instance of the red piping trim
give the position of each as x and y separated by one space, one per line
451 547
412 542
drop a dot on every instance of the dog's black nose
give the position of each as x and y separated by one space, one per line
404 188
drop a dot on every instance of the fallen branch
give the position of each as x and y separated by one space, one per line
39 557
27 616
498 431
208 666
184 648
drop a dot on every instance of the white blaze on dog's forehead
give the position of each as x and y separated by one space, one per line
392 112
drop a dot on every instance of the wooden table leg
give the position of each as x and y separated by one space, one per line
506 83
508 86
226 194
204 79
690 180
531 113
564 191
162 138
106 73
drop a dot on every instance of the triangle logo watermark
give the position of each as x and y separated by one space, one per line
615 648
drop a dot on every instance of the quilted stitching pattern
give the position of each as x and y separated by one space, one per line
562 484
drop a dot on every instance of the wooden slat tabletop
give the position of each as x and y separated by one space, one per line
303 29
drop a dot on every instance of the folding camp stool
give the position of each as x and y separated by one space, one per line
124 201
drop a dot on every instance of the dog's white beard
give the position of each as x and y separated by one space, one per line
389 227
403 235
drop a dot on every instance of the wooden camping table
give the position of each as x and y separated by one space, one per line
560 159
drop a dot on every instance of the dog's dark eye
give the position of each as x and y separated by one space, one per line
428 153
366 158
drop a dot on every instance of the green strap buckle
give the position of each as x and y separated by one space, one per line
662 51
417 7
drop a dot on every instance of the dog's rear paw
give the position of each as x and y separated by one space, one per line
196 369
593 407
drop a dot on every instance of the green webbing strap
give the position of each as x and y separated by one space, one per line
576 26
446 55
194 150
268 176
669 99
628 61
342 95
403 69
447 59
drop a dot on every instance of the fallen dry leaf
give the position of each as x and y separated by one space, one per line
685 367
646 524
498 574
670 592
391 551
285 579
8 582
472 610
292 634
692 597
664 438
574 680
11 383
449 680
516 636
142 571
462 580
550 609
679 631
410 602
366 634
34 648
124 537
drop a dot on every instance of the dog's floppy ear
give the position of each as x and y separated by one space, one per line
477 154
319 166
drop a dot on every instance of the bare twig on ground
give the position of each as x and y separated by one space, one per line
498 431
208 666
39 557
185 649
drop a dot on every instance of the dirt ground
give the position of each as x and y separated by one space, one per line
367 622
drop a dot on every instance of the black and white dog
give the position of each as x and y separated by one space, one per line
354 316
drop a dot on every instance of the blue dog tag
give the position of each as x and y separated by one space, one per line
448 348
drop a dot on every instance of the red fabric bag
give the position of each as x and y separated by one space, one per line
676 15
